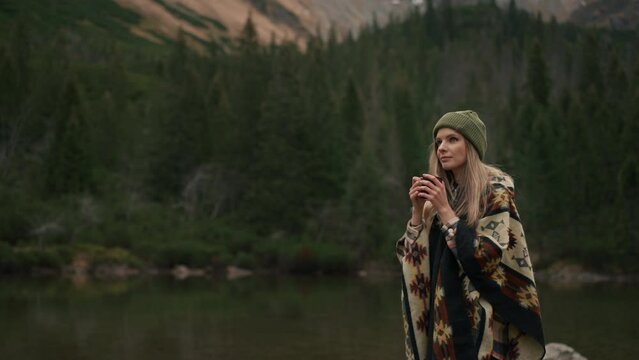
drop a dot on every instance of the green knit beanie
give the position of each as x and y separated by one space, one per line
469 124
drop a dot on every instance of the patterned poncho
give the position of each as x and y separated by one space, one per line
474 296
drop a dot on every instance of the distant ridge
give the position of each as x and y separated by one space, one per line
616 14
295 20
285 20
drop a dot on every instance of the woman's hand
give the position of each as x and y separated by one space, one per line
435 192
417 197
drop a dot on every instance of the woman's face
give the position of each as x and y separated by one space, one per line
451 149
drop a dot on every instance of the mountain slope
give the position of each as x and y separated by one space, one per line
560 9
283 19
616 14
294 20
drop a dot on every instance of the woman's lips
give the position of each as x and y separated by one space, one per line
445 158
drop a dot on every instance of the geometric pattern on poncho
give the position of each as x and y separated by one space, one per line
498 291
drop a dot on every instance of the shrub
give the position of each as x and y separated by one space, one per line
221 259
14 221
115 256
25 259
310 257
335 259
245 260
100 255
183 253
7 258
274 253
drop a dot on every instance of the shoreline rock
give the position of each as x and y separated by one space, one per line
234 272
114 271
182 272
558 351
563 273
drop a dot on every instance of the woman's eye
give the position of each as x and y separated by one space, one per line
453 139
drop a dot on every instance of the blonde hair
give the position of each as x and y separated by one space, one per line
469 198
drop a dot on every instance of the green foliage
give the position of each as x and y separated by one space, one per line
180 253
307 257
433 28
273 157
245 260
23 260
352 120
15 224
537 75
69 167
183 125
591 75
97 255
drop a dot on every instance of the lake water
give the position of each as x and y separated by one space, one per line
266 318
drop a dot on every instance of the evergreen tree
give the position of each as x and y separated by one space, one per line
323 129
590 75
69 168
224 131
539 27
109 126
433 29
365 197
248 41
183 127
448 18
279 188
634 83
8 124
249 79
15 80
411 141
617 82
352 118
512 26
15 69
38 117
537 80
628 172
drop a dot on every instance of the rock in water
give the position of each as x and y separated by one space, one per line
234 272
557 351
181 272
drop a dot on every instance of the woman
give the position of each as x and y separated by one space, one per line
468 286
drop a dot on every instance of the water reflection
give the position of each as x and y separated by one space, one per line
263 318
599 320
